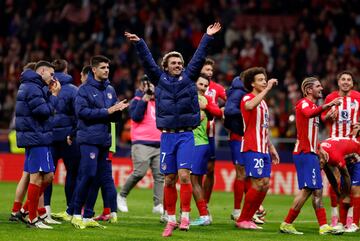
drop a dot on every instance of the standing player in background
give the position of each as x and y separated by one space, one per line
202 149
34 108
96 106
234 123
68 213
64 126
145 146
214 91
257 149
177 114
339 121
305 157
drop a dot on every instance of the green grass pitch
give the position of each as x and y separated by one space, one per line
140 224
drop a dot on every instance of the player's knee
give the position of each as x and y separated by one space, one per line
170 180
262 184
48 178
139 173
355 191
184 178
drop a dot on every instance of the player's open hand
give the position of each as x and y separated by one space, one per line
332 114
213 28
118 106
132 37
336 101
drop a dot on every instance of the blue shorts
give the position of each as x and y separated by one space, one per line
257 164
236 155
176 151
212 156
200 160
354 171
308 170
38 159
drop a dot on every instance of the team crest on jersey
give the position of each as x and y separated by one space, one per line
92 155
180 78
259 171
109 95
304 105
344 114
163 166
352 105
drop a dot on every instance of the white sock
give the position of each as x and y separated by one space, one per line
172 218
185 215
236 211
77 216
113 214
350 212
48 210
334 212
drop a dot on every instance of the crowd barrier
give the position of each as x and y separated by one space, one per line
283 177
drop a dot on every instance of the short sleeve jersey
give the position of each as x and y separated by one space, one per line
256 126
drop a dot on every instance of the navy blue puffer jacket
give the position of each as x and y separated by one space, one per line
65 119
91 103
33 111
177 103
233 118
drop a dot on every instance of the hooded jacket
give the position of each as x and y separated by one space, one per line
33 111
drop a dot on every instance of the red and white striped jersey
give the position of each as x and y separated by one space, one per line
307 126
348 114
214 91
256 126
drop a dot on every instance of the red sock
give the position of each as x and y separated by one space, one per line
106 211
333 197
250 198
292 215
185 197
343 210
321 216
26 206
16 207
170 195
33 198
202 207
41 211
260 196
239 186
356 206
248 184
42 188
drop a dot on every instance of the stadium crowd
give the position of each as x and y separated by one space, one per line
322 34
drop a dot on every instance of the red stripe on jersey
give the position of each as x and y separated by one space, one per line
256 125
307 126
